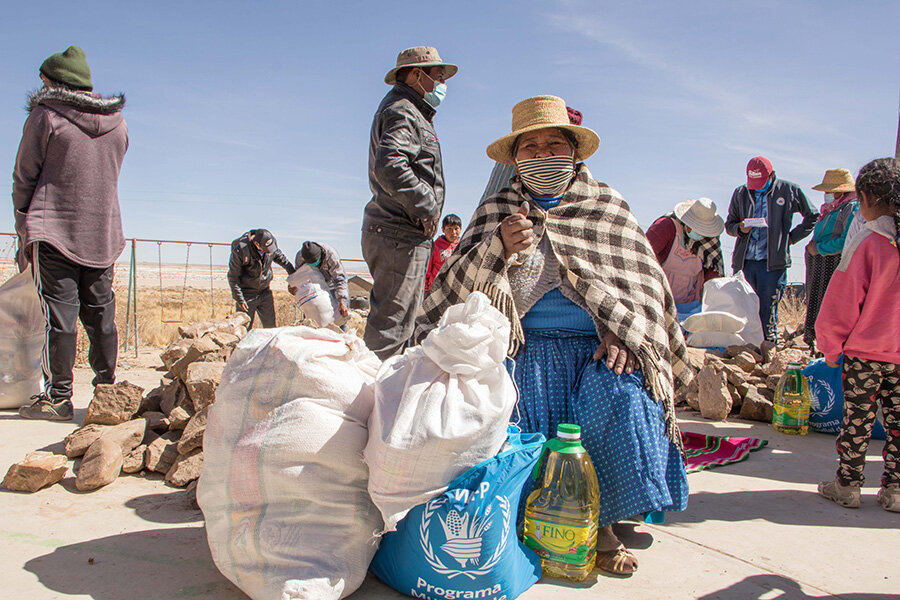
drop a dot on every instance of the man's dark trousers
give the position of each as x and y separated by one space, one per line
69 291
264 305
398 265
769 286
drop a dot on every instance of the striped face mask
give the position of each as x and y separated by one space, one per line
546 177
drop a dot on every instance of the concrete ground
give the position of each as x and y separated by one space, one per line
754 530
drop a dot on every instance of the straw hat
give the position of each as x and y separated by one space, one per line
538 113
420 56
836 180
700 215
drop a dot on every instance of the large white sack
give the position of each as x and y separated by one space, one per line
440 408
283 487
735 296
313 296
22 331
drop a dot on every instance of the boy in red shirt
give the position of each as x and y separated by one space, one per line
443 247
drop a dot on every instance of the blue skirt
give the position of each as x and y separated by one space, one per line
623 429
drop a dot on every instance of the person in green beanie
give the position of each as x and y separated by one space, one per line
65 198
69 69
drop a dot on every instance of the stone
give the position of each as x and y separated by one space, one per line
736 399
745 361
179 418
201 381
156 421
767 394
732 351
114 403
151 401
199 349
186 468
191 493
192 437
37 470
81 439
715 399
735 375
356 323
772 382
128 435
195 330
767 351
161 453
175 395
175 352
756 407
782 359
743 388
696 358
133 461
693 400
224 339
100 466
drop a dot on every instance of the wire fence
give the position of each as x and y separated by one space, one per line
163 292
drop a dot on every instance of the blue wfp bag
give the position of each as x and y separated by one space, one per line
463 544
826 410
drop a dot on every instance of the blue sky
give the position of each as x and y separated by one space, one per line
247 115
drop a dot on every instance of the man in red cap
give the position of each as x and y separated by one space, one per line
760 216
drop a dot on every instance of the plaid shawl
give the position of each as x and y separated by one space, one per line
708 250
602 252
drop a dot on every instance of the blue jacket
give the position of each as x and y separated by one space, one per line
784 200
831 231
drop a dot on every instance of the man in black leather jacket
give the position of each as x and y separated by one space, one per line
407 182
250 274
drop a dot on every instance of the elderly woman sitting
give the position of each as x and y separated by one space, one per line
595 340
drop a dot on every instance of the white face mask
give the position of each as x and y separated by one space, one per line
694 235
829 198
546 177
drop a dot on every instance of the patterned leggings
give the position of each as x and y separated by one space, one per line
866 383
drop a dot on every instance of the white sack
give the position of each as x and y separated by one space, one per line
283 488
313 296
22 330
714 320
440 408
734 295
714 339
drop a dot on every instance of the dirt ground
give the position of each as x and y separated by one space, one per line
754 530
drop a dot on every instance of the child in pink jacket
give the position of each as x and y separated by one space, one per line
860 319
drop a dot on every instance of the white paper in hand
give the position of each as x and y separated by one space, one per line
755 222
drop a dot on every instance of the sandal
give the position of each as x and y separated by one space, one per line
619 562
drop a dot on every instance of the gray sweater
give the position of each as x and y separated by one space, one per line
65 182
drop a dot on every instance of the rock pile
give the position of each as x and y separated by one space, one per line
127 431
739 381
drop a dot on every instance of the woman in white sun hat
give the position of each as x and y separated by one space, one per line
686 244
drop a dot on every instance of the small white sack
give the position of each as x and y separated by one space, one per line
714 339
714 320
313 296
734 295
283 487
440 408
22 331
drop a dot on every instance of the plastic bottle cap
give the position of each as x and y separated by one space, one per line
568 432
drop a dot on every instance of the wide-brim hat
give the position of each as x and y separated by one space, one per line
541 112
420 56
700 215
836 180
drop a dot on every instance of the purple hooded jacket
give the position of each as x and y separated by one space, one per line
65 183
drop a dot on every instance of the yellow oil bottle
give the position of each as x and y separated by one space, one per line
791 412
561 515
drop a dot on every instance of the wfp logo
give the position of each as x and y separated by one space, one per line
463 537
822 396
